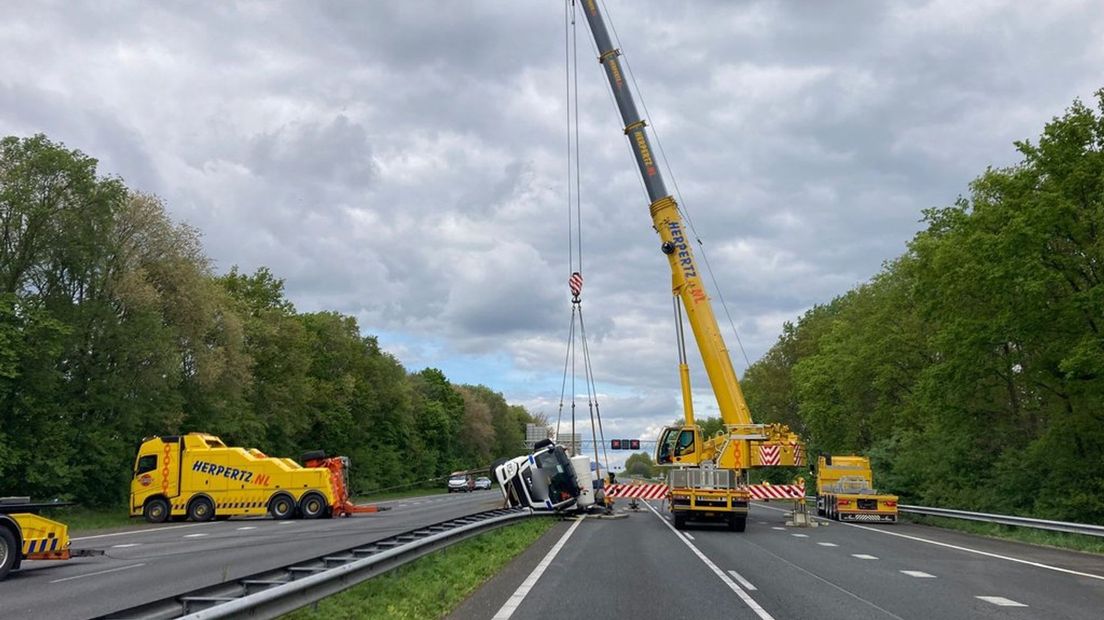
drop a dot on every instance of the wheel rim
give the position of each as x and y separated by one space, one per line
3 552
314 506
157 510
282 507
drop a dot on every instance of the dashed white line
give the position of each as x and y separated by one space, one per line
800 535
287 522
510 606
827 544
1000 600
744 596
125 545
918 573
195 535
688 535
248 527
100 572
863 556
743 582
780 529
152 529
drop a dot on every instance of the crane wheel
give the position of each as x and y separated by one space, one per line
8 551
281 506
312 505
201 509
156 510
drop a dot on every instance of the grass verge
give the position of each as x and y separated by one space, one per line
431 586
1061 540
82 518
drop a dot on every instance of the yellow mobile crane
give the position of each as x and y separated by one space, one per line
710 471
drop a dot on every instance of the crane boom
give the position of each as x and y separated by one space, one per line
686 280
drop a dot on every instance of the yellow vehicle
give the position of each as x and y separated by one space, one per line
845 491
198 477
711 478
24 535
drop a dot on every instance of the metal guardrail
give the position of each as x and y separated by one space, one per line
272 593
1039 524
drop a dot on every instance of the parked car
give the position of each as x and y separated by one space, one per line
461 483
483 483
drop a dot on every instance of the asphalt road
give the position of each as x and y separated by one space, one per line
150 563
642 567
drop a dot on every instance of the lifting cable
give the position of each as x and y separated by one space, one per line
682 207
575 258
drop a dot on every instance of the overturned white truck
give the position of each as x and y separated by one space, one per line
547 480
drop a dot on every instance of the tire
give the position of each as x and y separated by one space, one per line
737 523
201 509
680 521
312 455
281 507
312 505
157 510
8 552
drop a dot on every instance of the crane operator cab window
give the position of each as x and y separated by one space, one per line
685 443
666 445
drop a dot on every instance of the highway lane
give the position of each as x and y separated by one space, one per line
641 565
147 564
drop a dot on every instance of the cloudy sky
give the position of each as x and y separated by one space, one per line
405 162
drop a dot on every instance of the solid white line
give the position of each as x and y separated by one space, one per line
510 606
1000 600
918 573
960 548
102 572
152 529
125 545
744 596
863 556
827 544
740 578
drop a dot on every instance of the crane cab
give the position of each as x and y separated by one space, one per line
679 445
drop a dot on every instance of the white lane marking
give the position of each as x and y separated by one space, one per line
918 573
959 548
152 529
744 596
195 535
125 545
1000 600
827 544
764 522
688 536
248 527
510 606
825 581
985 553
740 578
800 535
780 529
287 522
100 572
863 556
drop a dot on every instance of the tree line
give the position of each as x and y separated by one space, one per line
114 327
971 368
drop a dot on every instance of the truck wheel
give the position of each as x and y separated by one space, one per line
201 509
8 552
156 510
281 507
680 521
312 505
737 523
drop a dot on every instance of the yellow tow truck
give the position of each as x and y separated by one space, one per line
845 491
25 535
198 477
